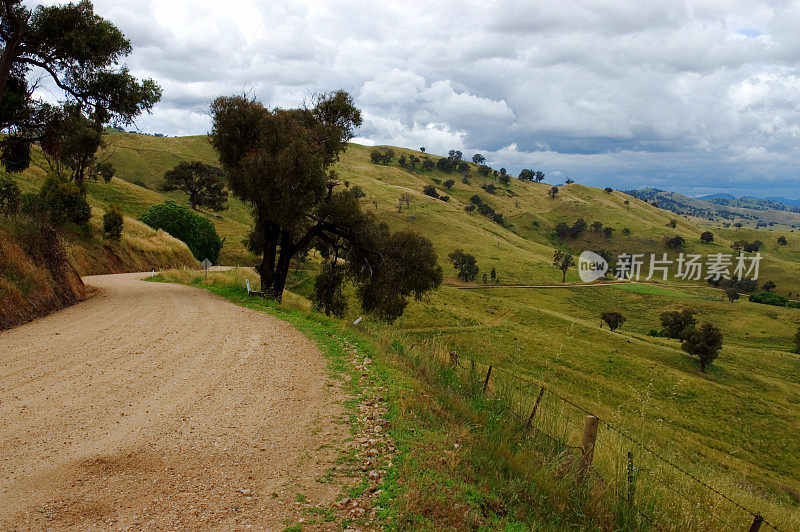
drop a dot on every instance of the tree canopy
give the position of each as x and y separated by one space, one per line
278 161
81 53
203 184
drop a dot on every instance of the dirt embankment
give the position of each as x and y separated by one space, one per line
157 406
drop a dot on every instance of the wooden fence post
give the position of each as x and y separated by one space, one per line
757 520
486 382
587 447
631 479
535 407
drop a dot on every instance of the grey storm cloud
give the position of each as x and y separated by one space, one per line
690 96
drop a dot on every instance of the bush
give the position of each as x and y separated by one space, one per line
489 188
703 342
444 198
676 241
196 231
113 222
10 195
357 191
62 202
769 298
430 190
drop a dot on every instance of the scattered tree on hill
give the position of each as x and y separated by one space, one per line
738 225
608 231
383 157
674 241
673 223
526 174
553 192
478 158
444 198
203 184
196 231
489 188
80 52
704 342
430 190
677 321
569 181
538 176
455 155
627 203
732 293
769 286
484 170
448 184
428 165
706 237
278 161
797 342
493 274
613 319
573 231
113 222
597 226
465 264
463 167
446 164
782 241
505 178
422 149
469 207
503 171
563 261
608 190
626 231
10 195
405 199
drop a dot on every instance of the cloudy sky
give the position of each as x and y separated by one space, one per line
696 97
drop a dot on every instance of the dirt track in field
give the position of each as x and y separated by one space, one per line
157 406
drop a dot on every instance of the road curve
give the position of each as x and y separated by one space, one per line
162 406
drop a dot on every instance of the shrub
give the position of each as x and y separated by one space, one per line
782 241
626 231
195 230
469 208
384 157
10 195
357 191
732 293
448 184
769 298
608 190
706 237
113 222
676 241
430 190
505 178
444 198
489 188
553 191
613 319
62 202
797 342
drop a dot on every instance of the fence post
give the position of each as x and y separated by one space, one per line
757 520
631 479
486 382
588 441
535 407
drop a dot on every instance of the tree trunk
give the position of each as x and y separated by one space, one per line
563 276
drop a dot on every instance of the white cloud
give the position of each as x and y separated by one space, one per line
688 95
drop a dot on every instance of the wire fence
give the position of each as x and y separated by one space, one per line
662 493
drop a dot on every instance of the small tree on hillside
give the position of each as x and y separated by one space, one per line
597 226
704 342
797 342
673 223
769 286
504 178
465 264
563 261
526 174
608 231
405 199
448 184
553 192
706 237
613 319
608 190
782 241
202 182
430 190
10 195
478 158
113 222
732 293
675 322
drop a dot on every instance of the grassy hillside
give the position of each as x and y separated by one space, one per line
737 422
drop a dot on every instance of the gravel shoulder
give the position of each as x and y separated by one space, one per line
163 406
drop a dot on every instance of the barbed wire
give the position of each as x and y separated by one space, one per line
621 433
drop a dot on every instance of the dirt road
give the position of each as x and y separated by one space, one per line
162 406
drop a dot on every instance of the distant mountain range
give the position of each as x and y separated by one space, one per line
726 207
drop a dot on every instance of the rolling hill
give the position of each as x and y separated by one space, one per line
737 424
